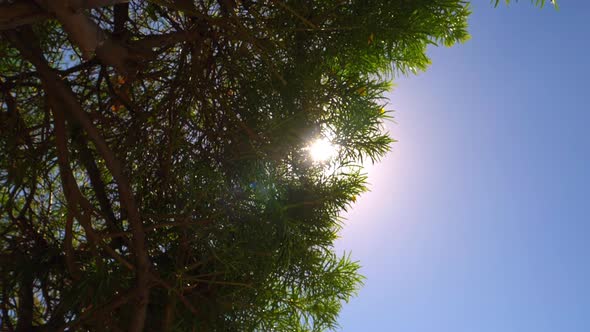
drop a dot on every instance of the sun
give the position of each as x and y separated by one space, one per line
322 150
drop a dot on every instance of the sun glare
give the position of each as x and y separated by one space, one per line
321 150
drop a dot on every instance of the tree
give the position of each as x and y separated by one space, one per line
154 156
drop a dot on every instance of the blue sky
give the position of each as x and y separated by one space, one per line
478 220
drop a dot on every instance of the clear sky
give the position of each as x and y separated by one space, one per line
478 220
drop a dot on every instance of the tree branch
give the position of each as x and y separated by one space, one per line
25 12
87 159
58 88
25 300
74 197
88 36
68 248
121 13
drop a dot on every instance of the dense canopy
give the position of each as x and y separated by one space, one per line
154 163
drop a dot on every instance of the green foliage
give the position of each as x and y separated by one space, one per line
211 125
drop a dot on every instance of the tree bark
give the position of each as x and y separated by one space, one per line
88 36
25 12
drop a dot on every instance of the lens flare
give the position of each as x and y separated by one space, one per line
322 150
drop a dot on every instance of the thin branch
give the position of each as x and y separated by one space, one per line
295 13
68 248
156 226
